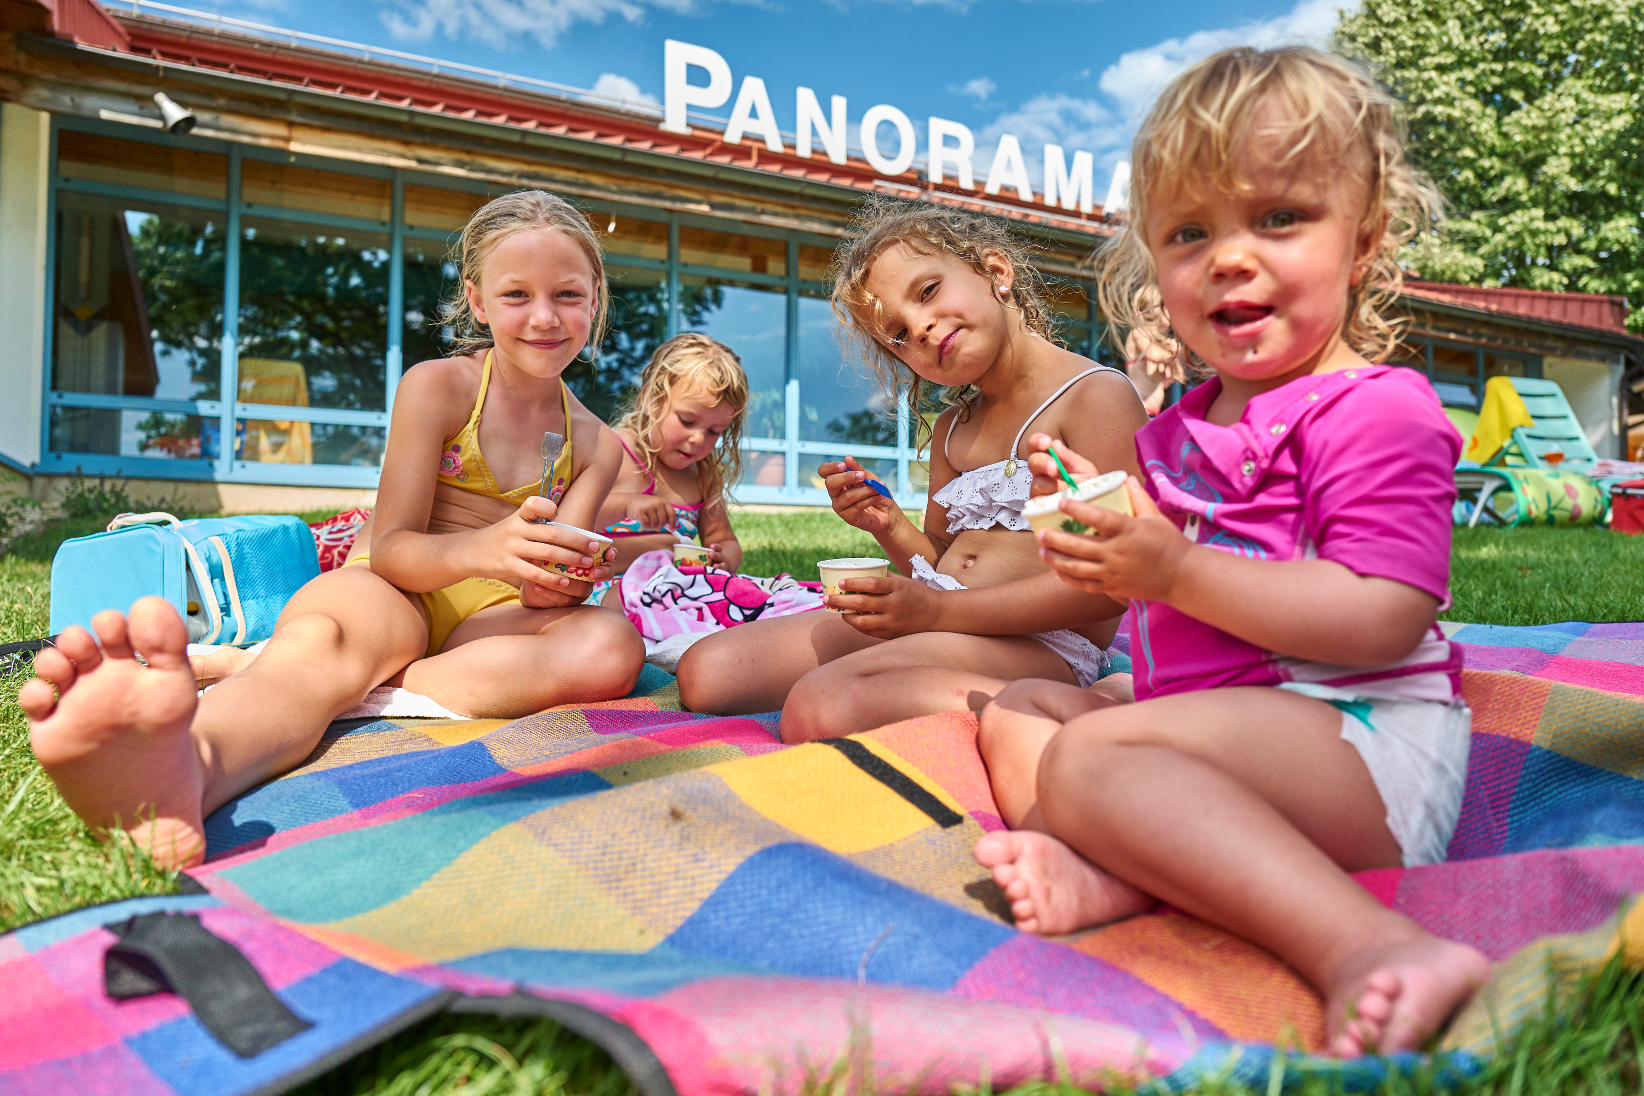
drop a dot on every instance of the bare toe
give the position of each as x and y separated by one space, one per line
1394 997
110 627
77 645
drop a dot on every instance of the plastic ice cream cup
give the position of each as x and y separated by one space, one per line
694 554
1107 491
835 571
573 570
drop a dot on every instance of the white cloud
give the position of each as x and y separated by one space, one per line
1105 125
1135 79
980 88
612 86
501 23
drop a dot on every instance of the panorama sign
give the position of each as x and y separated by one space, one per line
949 145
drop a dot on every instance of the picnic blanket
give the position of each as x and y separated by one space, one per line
727 915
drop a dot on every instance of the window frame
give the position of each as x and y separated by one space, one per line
795 488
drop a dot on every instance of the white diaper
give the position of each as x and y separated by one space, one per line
1083 657
1416 751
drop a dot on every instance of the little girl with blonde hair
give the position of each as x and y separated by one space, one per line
448 594
1298 711
682 440
937 297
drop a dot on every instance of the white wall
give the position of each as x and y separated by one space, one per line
25 155
1592 389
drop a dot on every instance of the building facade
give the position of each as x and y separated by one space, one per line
229 310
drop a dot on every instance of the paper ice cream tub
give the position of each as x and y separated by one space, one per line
1107 491
835 571
586 574
694 554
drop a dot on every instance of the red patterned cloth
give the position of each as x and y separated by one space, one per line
334 536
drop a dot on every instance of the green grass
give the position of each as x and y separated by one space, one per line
1542 574
1591 1042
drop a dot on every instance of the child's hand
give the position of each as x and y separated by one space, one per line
514 548
1047 478
715 556
1123 557
887 607
534 595
853 500
651 512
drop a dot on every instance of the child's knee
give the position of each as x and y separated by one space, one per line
818 706
612 653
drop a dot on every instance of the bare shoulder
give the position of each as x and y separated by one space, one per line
442 389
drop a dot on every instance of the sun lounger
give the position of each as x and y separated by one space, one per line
1506 474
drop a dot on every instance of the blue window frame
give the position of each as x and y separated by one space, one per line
202 290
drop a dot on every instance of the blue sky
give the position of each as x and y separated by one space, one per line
1074 72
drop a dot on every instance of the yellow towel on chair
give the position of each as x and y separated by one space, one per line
1503 411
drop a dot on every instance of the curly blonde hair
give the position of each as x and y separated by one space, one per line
883 223
494 222
1213 111
687 365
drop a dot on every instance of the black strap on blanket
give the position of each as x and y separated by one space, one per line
20 656
173 953
896 780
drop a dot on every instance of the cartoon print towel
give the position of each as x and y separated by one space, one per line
663 600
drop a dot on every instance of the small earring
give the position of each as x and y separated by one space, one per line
1002 290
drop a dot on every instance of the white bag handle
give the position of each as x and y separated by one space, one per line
123 520
202 574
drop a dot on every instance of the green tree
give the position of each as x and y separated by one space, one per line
1529 114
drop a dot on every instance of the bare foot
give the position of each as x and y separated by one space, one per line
1053 889
115 736
1391 998
212 668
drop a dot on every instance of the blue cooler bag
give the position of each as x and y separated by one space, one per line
228 577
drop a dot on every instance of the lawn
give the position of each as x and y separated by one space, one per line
1593 1042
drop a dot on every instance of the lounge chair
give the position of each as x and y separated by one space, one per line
1508 478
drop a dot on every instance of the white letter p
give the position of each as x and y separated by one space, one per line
679 94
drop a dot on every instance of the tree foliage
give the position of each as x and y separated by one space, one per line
1529 114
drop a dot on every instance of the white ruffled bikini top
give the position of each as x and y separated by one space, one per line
994 494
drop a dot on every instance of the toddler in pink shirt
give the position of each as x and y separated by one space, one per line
1296 709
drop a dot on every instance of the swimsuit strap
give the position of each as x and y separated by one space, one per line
479 402
650 488
1053 398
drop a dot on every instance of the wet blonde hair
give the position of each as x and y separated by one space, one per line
883 223
493 223
692 365
1210 113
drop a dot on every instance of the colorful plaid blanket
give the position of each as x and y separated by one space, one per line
728 915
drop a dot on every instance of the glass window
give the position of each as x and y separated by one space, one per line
753 322
620 235
1499 365
637 325
745 254
139 299
138 163
313 315
838 399
815 263
429 278
128 433
293 187
764 469
882 467
1454 361
272 441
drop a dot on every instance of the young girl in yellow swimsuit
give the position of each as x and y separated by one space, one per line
446 594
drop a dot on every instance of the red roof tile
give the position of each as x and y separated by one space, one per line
1602 313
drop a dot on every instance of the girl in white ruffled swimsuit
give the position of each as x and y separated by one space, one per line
939 297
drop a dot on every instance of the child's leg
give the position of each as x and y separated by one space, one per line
1021 720
912 676
752 667
129 745
508 661
1247 808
